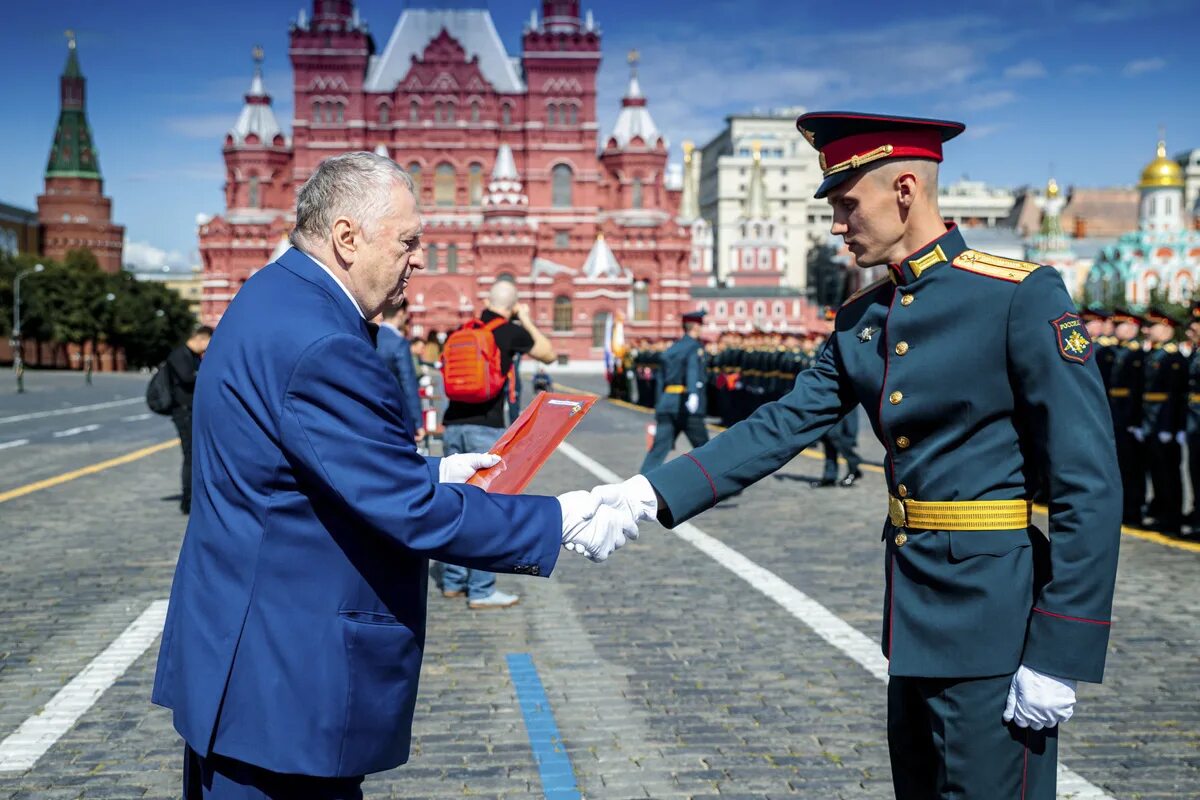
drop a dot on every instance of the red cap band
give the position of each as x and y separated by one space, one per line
905 144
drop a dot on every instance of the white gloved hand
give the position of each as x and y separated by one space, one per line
459 468
591 529
635 497
693 403
1164 437
1137 433
1181 438
1039 701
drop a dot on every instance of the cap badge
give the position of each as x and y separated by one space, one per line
866 333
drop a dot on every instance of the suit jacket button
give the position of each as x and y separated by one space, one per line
901 538
895 397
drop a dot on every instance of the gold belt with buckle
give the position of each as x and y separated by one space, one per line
674 389
1194 397
1156 397
1118 392
960 515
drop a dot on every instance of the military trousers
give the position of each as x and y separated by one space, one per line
667 428
947 739
1193 444
182 417
1131 459
1165 462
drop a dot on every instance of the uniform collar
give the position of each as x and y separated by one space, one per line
940 251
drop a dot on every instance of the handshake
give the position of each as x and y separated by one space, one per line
594 523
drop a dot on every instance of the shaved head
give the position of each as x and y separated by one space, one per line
923 169
503 296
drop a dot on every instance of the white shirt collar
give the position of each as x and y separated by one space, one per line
338 281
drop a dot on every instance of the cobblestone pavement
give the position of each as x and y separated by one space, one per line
668 676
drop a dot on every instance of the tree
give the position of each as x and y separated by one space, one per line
146 320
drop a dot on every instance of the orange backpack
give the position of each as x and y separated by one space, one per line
471 362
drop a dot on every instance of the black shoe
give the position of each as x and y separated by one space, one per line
823 483
851 479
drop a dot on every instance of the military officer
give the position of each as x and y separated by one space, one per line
1125 381
1099 328
1193 418
976 374
1164 420
681 405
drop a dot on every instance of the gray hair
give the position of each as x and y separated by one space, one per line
355 185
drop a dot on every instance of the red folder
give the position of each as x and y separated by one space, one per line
530 440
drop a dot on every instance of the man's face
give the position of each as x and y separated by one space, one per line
1161 333
198 344
1193 333
1095 327
866 215
1127 330
390 252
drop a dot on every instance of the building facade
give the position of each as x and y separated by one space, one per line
515 179
73 210
19 231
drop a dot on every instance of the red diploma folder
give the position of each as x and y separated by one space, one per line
530 440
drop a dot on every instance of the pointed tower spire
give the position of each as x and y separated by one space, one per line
689 203
505 195
73 155
601 263
634 121
756 194
257 119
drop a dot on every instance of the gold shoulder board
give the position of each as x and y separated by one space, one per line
863 292
1006 269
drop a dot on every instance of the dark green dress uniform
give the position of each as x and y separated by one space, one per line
973 370
683 374
1125 384
1164 418
1193 436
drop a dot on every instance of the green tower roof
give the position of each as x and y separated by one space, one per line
73 155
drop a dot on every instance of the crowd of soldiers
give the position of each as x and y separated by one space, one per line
744 371
1153 385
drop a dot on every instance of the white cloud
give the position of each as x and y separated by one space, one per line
982 131
981 101
1029 68
145 257
201 126
1142 66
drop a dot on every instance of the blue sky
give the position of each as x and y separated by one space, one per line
1080 87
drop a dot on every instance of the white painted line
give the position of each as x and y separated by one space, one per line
58 412
21 750
861 649
136 417
13 443
76 431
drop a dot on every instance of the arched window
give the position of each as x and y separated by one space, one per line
636 200
339 111
561 188
506 114
760 309
641 302
431 258
414 172
475 184
452 258
573 115
475 111
316 117
599 323
552 114
563 314
414 111
253 203
383 113
739 309
443 185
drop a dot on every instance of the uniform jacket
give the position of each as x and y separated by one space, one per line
973 385
1164 398
297 614
682 365
396 353
1193 407
1125 383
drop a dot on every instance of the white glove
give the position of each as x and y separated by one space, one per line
1039 701
1181 438
1137 433
591 529
459 468
1164 437
693 403
634 497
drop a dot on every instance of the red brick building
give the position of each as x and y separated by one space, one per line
516 181
73 211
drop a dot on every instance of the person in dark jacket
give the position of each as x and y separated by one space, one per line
182 365
394 348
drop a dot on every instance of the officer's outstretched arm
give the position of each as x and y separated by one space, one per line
757 446
1062 410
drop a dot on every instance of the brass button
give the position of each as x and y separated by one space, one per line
906 300
901 348
902 442
895 397
901 538
902 490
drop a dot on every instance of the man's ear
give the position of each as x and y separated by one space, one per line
906 189
347 238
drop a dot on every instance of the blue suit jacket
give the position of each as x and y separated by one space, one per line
297 616
396 353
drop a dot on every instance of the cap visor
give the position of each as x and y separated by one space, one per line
830 182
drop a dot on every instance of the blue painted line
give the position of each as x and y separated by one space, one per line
554 765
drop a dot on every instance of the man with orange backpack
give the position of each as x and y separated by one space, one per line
476 362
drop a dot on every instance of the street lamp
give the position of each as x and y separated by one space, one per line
18 365
108 298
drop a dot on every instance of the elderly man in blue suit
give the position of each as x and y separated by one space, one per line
292 647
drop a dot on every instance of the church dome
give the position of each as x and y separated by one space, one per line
1162 172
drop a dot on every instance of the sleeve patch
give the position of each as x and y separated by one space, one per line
1071 336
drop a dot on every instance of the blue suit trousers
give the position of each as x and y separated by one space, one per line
219 778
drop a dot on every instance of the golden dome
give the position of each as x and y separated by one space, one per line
1162 172
1052 188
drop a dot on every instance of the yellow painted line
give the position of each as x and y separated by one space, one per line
66 477
1137 533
